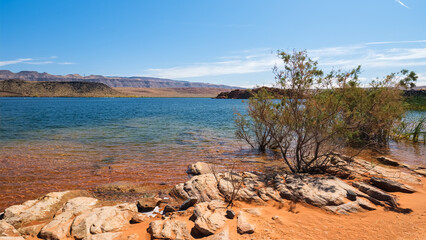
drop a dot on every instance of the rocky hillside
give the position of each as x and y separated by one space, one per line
133 82
21 88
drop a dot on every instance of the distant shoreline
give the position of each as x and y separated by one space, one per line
20 88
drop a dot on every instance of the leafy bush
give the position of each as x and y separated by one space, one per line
320 113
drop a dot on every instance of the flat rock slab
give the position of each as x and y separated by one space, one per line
390 185
388 161
421 172
376 193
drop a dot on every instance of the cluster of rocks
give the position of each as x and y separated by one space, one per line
206 199
327 192
56 216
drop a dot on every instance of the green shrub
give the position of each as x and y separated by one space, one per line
321 113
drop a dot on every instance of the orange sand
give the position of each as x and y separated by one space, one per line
307 222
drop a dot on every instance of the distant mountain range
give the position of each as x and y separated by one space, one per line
130 82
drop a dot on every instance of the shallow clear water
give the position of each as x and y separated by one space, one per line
50 144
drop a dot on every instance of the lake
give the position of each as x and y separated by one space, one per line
55 144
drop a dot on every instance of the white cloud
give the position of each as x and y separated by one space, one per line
33 61
16 61
421 81
402 4
235 65
374 58
371 57
396 42
39 63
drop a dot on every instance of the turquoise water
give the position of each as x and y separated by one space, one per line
49 144
55 144
115 120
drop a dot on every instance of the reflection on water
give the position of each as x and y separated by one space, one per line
55 144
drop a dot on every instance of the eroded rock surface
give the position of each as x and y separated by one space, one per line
243 226
169 229
390 185
200 168
104 219
29 218
376 193
7 230
210 216
60 226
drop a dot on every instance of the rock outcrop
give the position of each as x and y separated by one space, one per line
60 226
390 185
376 193
199 168
102 220
209 217
24 215
243 226
7 231
169 230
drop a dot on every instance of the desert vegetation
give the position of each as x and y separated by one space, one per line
322 112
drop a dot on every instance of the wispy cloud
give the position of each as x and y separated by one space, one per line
16 61
396 42
32 61
249 63
369 55
402 4
39 62
375 58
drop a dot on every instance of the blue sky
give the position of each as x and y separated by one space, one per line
229 42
